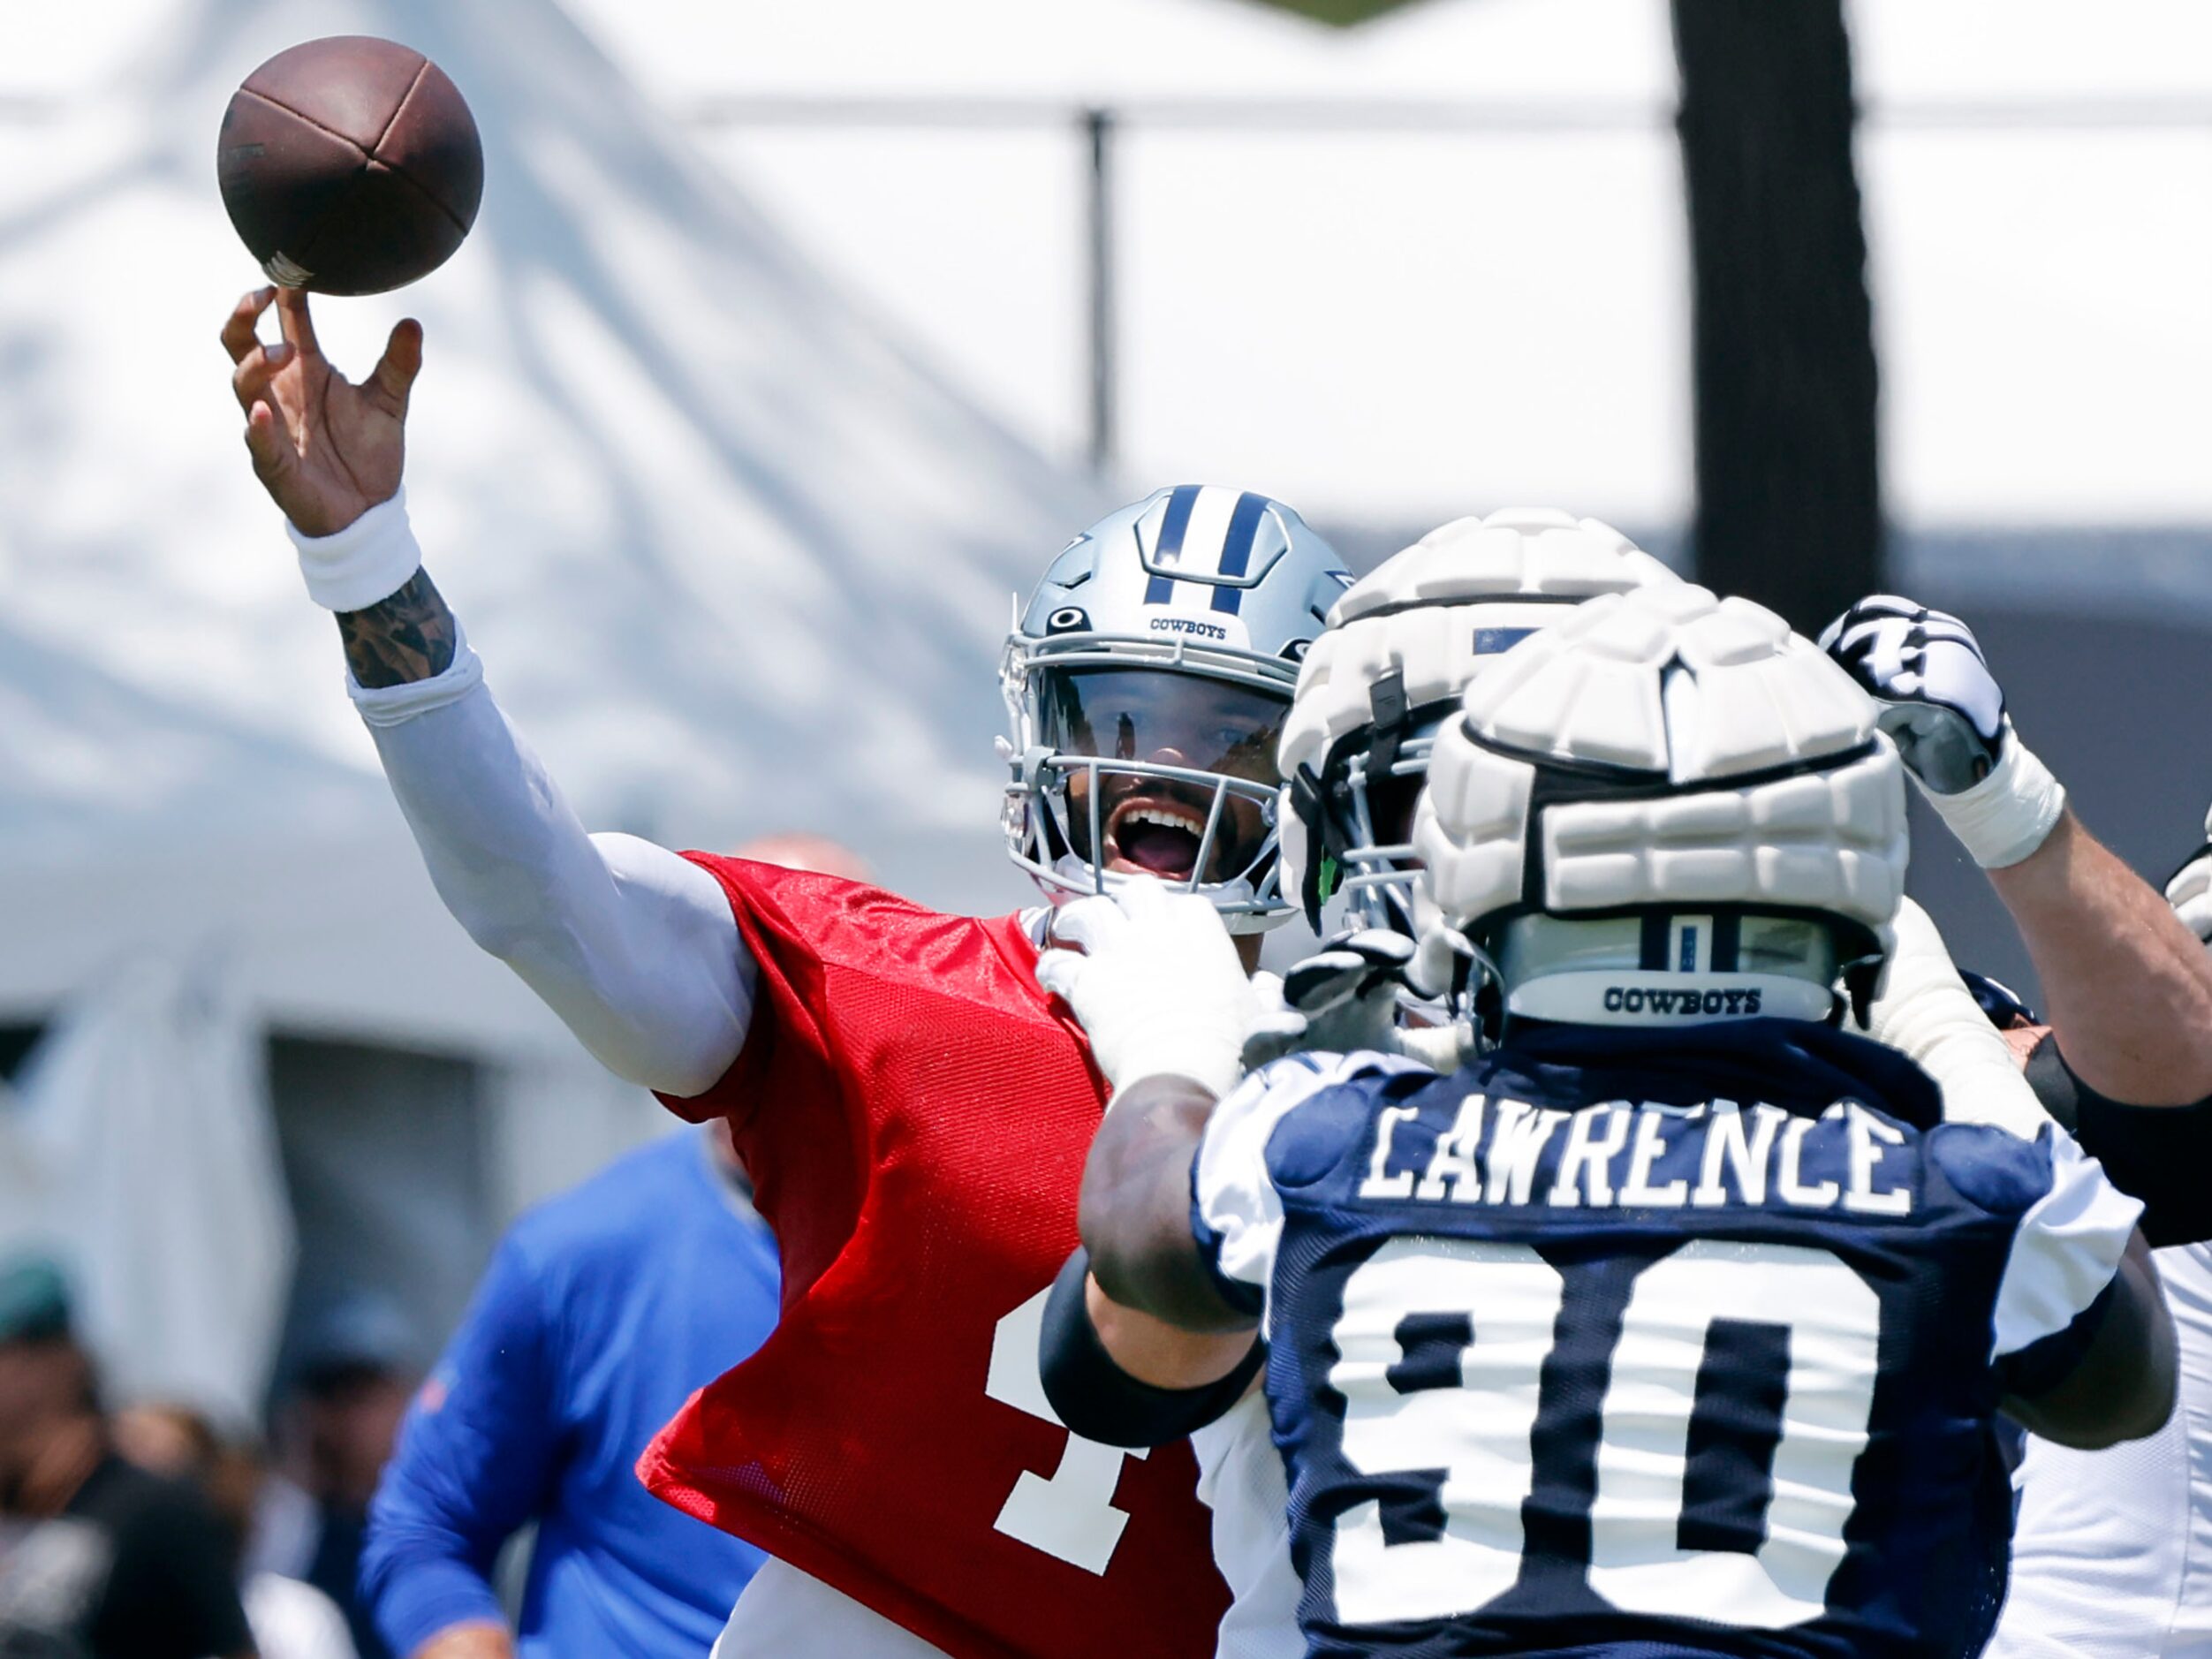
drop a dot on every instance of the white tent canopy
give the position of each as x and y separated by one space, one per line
144 1122
1397 322
735 561
1112 51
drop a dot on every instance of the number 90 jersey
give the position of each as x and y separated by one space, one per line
1639 1343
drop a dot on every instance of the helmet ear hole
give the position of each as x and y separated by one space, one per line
1068 620
1295 651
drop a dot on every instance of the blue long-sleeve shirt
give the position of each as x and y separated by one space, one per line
601 1311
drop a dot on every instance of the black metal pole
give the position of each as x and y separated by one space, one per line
1788 507
1098 127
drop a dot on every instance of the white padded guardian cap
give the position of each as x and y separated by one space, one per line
1665 755
1402 645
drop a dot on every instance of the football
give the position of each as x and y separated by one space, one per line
350 165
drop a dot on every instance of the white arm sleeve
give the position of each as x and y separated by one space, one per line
1926 1013
635 948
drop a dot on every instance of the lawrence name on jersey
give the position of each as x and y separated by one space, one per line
1663 1329
1687 1337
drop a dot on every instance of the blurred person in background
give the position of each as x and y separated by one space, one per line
601 1313
99 1559
289 1618
357 1367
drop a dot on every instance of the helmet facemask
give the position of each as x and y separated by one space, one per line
1360 817
1402 645
1148 678
1146 761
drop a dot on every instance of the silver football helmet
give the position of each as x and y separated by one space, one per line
1401 648
1147 679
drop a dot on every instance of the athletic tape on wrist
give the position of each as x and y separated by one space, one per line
2009 814
371 559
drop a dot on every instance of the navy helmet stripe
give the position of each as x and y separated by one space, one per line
1236 552
1181 499
1243 530
1728 932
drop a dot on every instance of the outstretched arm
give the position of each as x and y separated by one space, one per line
635 948
2125 985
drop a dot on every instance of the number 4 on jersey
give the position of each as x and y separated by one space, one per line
1071 1516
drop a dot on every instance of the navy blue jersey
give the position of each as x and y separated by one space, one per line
1633 1344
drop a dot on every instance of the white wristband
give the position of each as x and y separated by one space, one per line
2008 814
371 559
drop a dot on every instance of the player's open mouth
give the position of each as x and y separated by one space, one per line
1158 836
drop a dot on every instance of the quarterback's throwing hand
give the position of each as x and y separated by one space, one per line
325 448
1940 702
1154 980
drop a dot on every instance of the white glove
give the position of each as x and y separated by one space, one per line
1926 1013
2190 892
1343 1000
1945 712
1155 981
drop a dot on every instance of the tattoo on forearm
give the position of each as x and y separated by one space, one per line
409 636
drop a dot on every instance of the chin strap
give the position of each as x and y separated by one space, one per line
1305 801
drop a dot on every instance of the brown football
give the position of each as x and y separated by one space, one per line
350 165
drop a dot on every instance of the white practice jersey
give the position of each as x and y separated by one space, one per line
782 1613
2112 1553
1241 1479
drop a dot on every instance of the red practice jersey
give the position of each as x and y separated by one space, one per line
915 1113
